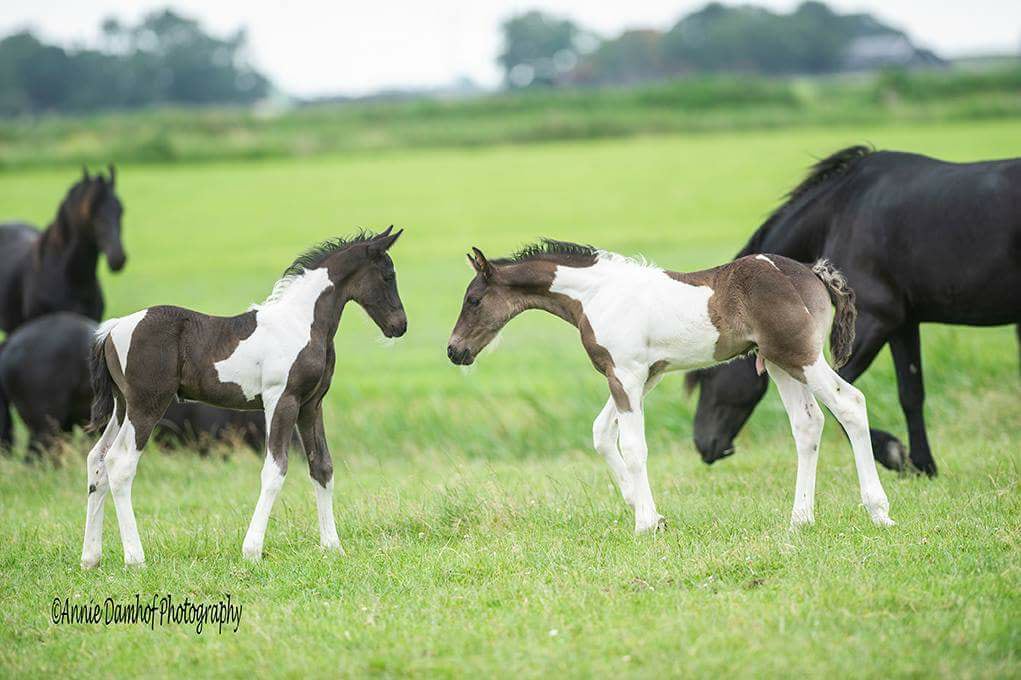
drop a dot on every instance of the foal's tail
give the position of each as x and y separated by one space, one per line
842 296
102 381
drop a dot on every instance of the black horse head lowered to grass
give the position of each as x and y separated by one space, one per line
55 270
920 241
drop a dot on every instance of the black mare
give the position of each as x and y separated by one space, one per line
920 241
55 270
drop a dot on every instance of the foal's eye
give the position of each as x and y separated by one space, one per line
473 301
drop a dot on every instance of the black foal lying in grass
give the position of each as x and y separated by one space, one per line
278 356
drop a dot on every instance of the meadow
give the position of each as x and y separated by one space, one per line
483 534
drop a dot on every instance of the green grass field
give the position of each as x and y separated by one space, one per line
483 535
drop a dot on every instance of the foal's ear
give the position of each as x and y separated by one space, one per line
113 174
480 263
382 243
85 173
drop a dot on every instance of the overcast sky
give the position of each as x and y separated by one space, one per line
315 48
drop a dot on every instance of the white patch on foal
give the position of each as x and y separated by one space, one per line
639 314
763 257
120 331
283 327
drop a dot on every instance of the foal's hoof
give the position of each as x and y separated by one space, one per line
655 526
90 562
883 521
799 520
333 549
252 554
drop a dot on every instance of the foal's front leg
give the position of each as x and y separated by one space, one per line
631 420
281 413
320 468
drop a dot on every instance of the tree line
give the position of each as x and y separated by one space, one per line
165 58
541 49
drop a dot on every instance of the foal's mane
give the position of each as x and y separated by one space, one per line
311 259
821 172
316 255
550 249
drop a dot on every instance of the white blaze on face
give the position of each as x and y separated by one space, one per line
121 331
283 327
639 314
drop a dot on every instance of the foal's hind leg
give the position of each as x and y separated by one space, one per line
99 484
281 413
320 468
122 463
806 423
847 404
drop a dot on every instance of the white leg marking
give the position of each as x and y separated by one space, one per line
847 404
328 537
121 463
98 485
635 452
806 423
272 481
604 434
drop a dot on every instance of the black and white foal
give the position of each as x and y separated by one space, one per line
278 356
638 321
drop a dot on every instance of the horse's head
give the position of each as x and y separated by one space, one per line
493 298
95 210
370 280
727 396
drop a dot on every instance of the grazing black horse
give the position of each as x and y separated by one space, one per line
55 270
44 375
920 241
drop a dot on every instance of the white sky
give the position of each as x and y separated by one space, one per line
353 47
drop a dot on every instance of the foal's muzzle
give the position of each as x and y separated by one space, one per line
396 329
461 357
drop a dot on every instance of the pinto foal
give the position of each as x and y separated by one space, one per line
278 356
638 321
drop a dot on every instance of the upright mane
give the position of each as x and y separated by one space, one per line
551 249
58 232
311 259
821 172
314 256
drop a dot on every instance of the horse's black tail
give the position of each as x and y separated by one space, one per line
6 424
102 381
842 296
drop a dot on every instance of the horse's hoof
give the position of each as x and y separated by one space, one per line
656 526
333 548
802 519
883 521
90 562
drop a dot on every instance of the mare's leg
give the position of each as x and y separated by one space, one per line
320 469
144 409
98 485
806 423
604 435
906 347
281 414
847 404
635 452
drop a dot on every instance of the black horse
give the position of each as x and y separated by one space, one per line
55 270
920 241
44 375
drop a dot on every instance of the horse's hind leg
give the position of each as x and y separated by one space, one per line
806 423
99 484
122 462
847 404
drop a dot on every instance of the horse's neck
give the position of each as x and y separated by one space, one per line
798 231
64 250
299 303
574 288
